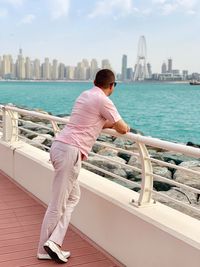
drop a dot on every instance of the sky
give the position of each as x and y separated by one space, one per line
70 30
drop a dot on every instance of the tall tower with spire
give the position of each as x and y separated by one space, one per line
20 66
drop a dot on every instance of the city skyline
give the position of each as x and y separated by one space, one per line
26 68
72 30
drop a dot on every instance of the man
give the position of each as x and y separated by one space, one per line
92 111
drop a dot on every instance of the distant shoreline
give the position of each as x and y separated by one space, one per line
91 81
56 81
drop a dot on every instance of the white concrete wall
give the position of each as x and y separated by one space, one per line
6 158
153 236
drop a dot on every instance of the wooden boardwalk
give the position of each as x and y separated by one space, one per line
20 221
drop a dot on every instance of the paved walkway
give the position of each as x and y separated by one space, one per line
20 221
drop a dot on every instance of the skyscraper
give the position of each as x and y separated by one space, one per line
20 66
28 68
93 68
61 71
164 68
86 69
37 70
6 66
185 74
169 70
70 73
105 64
46 69
85 63
80 71
129 74
149 70
124 68
55 70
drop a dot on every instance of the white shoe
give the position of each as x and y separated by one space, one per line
66 254
43 256
54 252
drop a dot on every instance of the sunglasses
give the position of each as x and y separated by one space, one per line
114 83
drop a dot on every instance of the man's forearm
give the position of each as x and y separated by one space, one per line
121 127
108 124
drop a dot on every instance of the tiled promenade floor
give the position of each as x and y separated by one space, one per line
20 221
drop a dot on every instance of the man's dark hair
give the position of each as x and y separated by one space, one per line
104 78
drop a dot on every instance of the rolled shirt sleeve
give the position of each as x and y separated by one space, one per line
109 111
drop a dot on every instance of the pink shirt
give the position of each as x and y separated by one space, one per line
90 112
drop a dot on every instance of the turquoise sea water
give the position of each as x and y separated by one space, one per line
168 111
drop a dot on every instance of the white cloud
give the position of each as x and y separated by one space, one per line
159 1
59 8
147 11
187 3
3 12
13 2
28 19
170 6
191 12
114 7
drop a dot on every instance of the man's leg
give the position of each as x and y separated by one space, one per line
61 227
66 161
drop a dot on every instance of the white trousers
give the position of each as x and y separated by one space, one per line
66 160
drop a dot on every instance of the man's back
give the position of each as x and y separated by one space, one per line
91 110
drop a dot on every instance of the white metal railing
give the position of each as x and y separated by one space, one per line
14 128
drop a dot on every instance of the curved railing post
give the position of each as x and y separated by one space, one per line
55 127
10 125
147 177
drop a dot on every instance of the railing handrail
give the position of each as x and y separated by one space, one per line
155 142
151 141
34 113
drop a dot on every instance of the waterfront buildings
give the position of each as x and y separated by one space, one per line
27 69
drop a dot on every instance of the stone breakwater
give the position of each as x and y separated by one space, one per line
175 192
170 173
